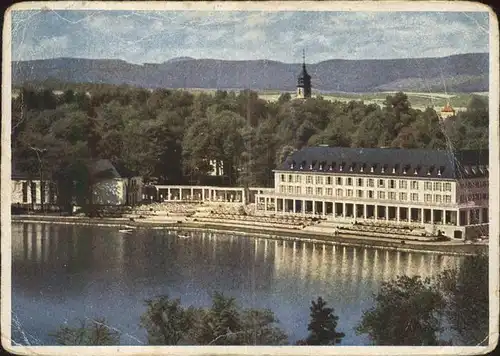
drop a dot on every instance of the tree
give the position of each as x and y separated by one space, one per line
407 312
166 321
221 324
467 299
93 333
259 328
322 326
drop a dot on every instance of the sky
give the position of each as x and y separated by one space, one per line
157 36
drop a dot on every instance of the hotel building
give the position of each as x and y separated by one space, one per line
435 190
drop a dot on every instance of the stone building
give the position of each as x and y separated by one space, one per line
438 191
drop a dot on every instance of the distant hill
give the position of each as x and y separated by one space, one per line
461 73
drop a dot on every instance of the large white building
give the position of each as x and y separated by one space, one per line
429 189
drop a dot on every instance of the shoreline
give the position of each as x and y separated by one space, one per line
180 224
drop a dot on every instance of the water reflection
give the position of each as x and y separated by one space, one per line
63 272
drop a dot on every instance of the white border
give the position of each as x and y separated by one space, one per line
494 214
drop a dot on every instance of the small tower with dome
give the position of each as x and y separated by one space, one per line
447 111
304 81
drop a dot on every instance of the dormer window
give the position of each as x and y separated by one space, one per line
362 168
310 166
372 169
292 166
429 171
393 170
341 167
417 170
384 167
406 168
473 169
330 167
320 166
440 171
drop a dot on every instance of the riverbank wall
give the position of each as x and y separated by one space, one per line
344 239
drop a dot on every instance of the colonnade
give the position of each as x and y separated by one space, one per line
394 213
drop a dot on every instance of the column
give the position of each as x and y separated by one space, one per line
422 216
314 207
293 207
168 194
323 212
480 215
398 215
333 209
432 216
203 194
365 211
265 204
303 207
243 196
192 193
276 206
225 195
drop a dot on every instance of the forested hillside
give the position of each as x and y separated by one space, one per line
172 135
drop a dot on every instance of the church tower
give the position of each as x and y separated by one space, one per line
304 81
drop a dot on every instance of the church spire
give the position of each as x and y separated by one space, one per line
304 80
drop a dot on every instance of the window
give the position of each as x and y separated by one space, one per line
329 191
290 178
25 192
485 196
381 183
329 180
437 198
403 184
309 179
428 198
297 190
290 189
414 184
381 195
392 195
414 196
319 191
359 193
447 199
392 184
427 185
447 187
359 182
437 186
338 192
349 192
349 181
282 189
298 178
403 196
338 181
283 179
371 182
319 180
309 190
33 192
370 194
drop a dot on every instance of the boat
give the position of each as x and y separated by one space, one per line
126 231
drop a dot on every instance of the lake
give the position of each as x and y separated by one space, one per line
63 273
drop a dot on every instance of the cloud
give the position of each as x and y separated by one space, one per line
146 36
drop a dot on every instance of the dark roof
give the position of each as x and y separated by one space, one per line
124 172
390 162
102 169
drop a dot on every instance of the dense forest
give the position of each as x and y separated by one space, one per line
172 135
